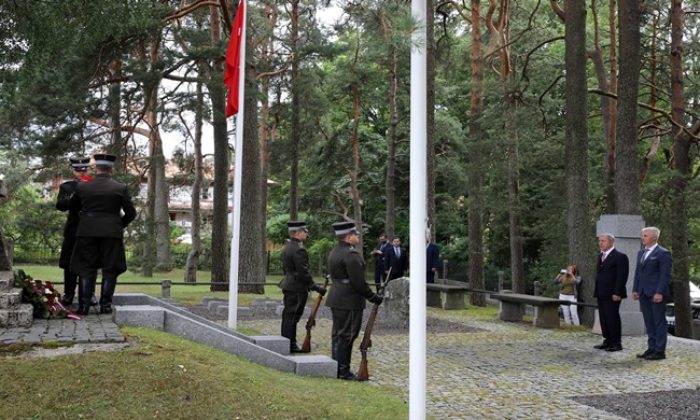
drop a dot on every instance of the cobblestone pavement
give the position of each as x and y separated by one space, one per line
91 329
515 371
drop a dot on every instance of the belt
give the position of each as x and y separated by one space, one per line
97 214
343 281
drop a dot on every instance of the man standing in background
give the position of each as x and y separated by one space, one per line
610 289
378 253
396 259
432 261
651 286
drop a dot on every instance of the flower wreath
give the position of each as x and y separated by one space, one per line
43 296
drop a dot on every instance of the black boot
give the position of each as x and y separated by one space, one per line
343 353
108 286
70 280
85 291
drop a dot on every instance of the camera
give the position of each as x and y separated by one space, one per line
563 271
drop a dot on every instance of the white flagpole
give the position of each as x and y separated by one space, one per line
237 178
418 214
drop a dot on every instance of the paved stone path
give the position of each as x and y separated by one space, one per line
516 371
92 329
486 369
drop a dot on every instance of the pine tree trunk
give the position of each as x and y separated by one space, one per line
294 135
193 256
627 188
355 171
474 168
390 181
251 267
681 177
578 226
220 236
430 117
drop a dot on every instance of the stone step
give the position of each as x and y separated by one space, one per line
20 317
7 280
11 299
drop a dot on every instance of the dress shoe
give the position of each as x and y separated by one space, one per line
83 310
646 353
614 348
602 346
105 309
294 348
657 355
347 376
67 300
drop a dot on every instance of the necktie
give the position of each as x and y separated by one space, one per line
398 252
645 254
602 256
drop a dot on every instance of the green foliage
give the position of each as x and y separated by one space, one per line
31 221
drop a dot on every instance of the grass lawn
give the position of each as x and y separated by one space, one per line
164 376
183 294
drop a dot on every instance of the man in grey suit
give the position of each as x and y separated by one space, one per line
100 235
651 286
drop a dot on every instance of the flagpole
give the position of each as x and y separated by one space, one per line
418 214
237 182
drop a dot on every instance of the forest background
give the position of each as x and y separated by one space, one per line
528 140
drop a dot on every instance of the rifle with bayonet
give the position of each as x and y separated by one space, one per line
306 347
362 372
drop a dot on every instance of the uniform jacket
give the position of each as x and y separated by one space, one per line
611 277
347 270
295 263
100 203
397 264
654 274
65 191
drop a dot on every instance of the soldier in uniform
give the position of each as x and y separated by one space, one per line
99 239
347 296
79 165
297 281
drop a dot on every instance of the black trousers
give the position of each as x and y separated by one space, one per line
610 323
294 303
346 328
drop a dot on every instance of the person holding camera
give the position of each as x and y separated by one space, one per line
568 281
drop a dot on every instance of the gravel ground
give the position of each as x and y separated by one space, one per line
682 404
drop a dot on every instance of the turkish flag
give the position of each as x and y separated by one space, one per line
233 61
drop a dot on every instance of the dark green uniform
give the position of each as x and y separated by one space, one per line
295 285
347 301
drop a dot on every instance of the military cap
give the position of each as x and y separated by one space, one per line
79 163
294 225
343 228
104 159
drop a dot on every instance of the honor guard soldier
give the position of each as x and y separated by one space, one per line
99 239
296 282
347 295
80 166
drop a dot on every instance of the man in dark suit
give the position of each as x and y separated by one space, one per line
100 235
395 258
80 166
347 295
297 281
610 289
378 254
432 262
651 286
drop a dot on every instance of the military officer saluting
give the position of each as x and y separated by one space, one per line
99 239
347 295
297 281
80 166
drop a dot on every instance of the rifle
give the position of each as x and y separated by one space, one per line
363 373
306 347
